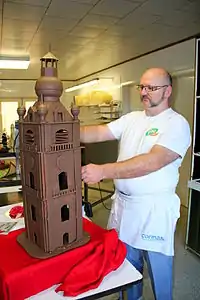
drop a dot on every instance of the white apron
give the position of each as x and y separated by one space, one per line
146 222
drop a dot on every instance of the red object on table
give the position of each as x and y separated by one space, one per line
78 270
16 212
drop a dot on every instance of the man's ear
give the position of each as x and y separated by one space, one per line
168 91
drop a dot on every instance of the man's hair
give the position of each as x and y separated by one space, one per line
169 77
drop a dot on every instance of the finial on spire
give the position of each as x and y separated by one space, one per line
74 110
21 110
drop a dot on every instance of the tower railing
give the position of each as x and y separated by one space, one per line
60 147
64 192
52 148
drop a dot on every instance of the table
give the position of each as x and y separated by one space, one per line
117 280
10 189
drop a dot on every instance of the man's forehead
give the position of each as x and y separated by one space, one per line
153 77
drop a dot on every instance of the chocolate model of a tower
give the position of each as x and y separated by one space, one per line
51 169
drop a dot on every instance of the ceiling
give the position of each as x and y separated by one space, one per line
90 35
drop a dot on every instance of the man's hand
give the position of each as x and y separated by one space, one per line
92 174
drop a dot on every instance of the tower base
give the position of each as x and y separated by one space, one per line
36 252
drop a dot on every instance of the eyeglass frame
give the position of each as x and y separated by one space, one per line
151 88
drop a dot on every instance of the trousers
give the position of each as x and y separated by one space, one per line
160 269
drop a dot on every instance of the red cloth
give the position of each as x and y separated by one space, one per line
22 276
92 266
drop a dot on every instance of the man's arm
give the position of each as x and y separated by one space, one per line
137 166
95 133
140 165
170 146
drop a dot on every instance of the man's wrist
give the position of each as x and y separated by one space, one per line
107 171
104 171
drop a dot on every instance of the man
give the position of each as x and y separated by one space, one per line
145 209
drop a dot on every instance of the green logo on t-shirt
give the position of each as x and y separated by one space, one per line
152 132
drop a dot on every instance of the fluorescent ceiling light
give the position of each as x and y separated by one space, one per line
116 86
127 83
11 62
82 85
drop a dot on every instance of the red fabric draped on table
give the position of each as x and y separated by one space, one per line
22 276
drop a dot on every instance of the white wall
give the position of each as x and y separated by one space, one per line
175 58
183 103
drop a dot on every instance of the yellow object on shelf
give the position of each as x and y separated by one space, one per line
8 169
93 98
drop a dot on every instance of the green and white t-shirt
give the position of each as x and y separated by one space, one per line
141 202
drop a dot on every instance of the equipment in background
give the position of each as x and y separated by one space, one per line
98 153
16 148
4 143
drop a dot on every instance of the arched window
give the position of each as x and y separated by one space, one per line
63 184
32 180
30 116
65 238
60 117
29 137
62 136
33 213
65 213
35 238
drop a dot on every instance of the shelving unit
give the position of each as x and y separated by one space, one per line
193 224
99 114
111 111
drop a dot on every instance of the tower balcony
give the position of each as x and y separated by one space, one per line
51 148
61 147
64 192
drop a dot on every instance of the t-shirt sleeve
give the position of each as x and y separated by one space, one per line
117 127
176 137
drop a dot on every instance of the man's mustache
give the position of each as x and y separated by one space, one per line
145 98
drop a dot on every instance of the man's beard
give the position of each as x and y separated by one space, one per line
151 102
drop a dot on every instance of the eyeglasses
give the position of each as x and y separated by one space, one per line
150 88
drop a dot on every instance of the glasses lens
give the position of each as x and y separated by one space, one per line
148 88
139 87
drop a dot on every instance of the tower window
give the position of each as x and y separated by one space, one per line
65 213
65 238
60 117
33 213
63 184
30 117
62 136
32 183
35 238
29 137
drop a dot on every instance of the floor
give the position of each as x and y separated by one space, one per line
187 265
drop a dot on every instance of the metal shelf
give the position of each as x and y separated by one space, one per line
194 184
196 154
193 223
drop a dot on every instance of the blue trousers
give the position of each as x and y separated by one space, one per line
160 269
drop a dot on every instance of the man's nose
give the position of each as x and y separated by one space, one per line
143 91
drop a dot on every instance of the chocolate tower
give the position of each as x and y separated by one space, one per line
51 169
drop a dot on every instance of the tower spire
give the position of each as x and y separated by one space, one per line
49 85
